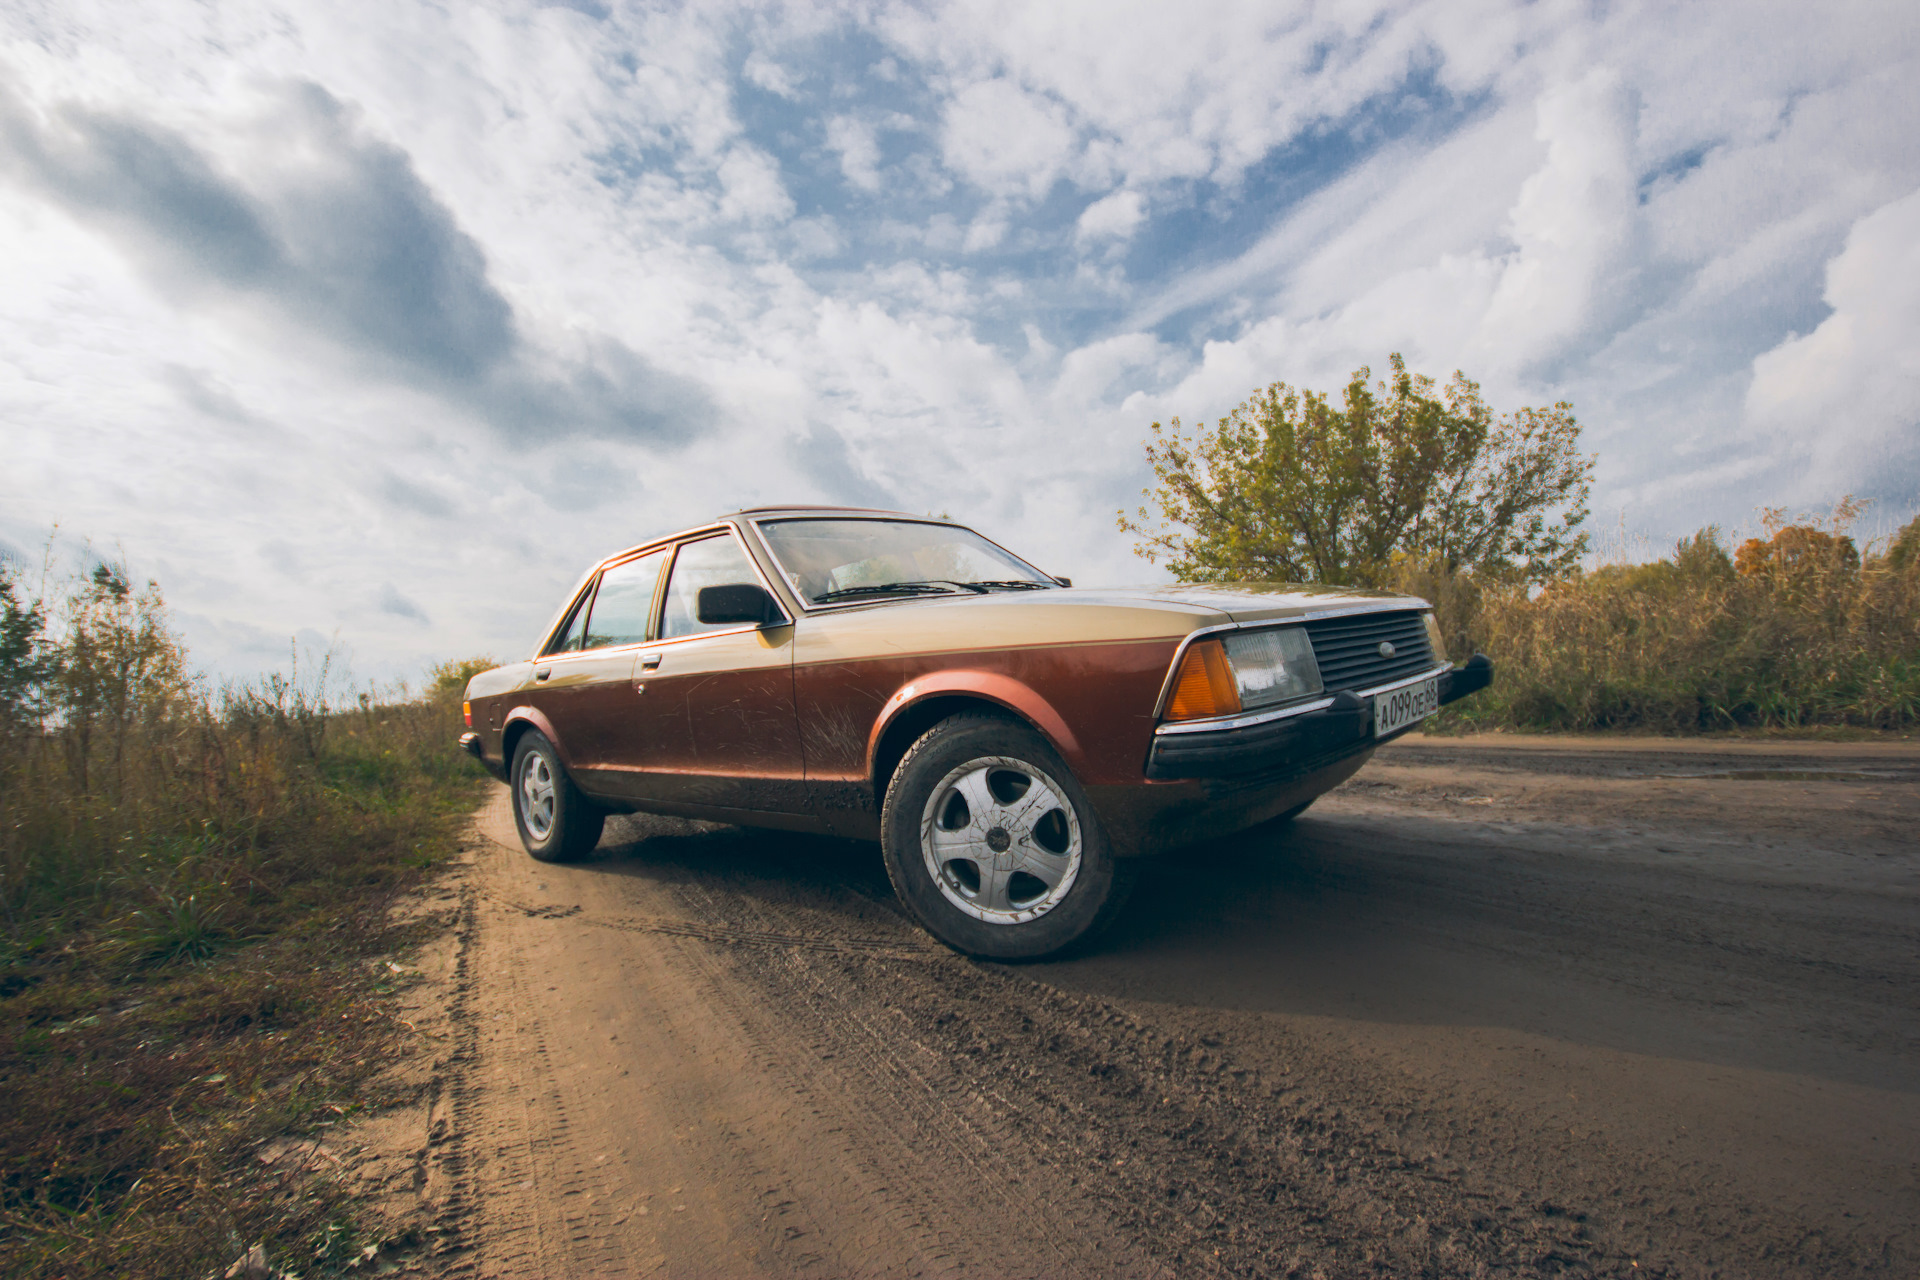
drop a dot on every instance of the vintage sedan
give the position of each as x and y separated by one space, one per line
1013 743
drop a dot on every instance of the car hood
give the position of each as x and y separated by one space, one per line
1070 615
1244 601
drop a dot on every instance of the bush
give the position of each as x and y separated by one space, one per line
1790 630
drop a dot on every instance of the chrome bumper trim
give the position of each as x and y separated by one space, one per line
1241 722
1298 709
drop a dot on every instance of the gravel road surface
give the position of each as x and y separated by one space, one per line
1498 1006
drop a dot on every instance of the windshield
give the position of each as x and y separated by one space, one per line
835 560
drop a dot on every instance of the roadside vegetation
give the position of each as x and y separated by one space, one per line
193 893
1403 485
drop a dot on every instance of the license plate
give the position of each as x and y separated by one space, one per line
1401 707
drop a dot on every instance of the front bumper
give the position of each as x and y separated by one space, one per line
1291 744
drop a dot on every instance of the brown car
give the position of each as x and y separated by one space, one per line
1013 742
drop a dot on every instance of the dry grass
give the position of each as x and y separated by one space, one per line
1803 631
193 889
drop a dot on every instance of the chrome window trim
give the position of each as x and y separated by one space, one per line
1410 604
575 600
807 606
670 543
753 562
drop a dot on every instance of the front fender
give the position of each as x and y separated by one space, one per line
989 686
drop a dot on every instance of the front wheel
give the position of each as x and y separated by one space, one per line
990 841
556 822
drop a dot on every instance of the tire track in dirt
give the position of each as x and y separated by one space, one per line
905 948
442 1166
802 1155
929 1118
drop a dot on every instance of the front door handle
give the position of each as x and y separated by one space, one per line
649 661
543 673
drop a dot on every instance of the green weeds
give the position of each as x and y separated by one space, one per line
193 883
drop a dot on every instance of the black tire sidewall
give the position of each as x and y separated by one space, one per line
576 824
1090 904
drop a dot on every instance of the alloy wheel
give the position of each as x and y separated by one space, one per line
1001 840
537 795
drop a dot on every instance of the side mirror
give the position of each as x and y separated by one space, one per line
737 602
1065 582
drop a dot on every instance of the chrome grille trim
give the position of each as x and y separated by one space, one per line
1347 649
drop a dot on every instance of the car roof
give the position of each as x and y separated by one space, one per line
757 512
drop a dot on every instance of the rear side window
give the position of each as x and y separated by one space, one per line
711 562
623 606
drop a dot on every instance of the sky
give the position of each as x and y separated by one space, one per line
373 324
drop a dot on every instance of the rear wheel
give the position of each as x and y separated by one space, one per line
556 822
991 843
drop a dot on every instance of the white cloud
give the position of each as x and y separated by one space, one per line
1114 217
1005 139
1572 226
1850 390
988 228
753 191
859 151
617 219
761 70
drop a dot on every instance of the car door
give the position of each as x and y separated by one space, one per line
584 684
717 729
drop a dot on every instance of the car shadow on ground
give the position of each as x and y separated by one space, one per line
1330 916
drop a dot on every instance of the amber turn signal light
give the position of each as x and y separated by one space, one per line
1204 685
466 713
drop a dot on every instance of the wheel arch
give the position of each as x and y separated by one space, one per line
928 700
520 722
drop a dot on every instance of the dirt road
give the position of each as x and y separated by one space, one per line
1497 1006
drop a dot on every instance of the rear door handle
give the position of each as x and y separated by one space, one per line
649 661
543 673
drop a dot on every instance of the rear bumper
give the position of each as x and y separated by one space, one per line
471 744
1291 743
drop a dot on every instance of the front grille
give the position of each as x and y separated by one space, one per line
1348 649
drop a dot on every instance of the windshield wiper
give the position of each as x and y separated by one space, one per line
933 586
1011 584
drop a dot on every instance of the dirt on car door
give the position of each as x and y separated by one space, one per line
715 720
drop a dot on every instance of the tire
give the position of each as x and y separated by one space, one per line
556 822
992 844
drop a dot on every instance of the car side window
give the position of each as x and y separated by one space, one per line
568 640
623 606
711 562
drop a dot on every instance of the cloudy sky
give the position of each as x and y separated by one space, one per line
378 321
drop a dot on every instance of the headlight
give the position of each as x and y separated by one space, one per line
1434 638
1272 666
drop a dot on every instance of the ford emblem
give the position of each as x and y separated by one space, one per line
1386 649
